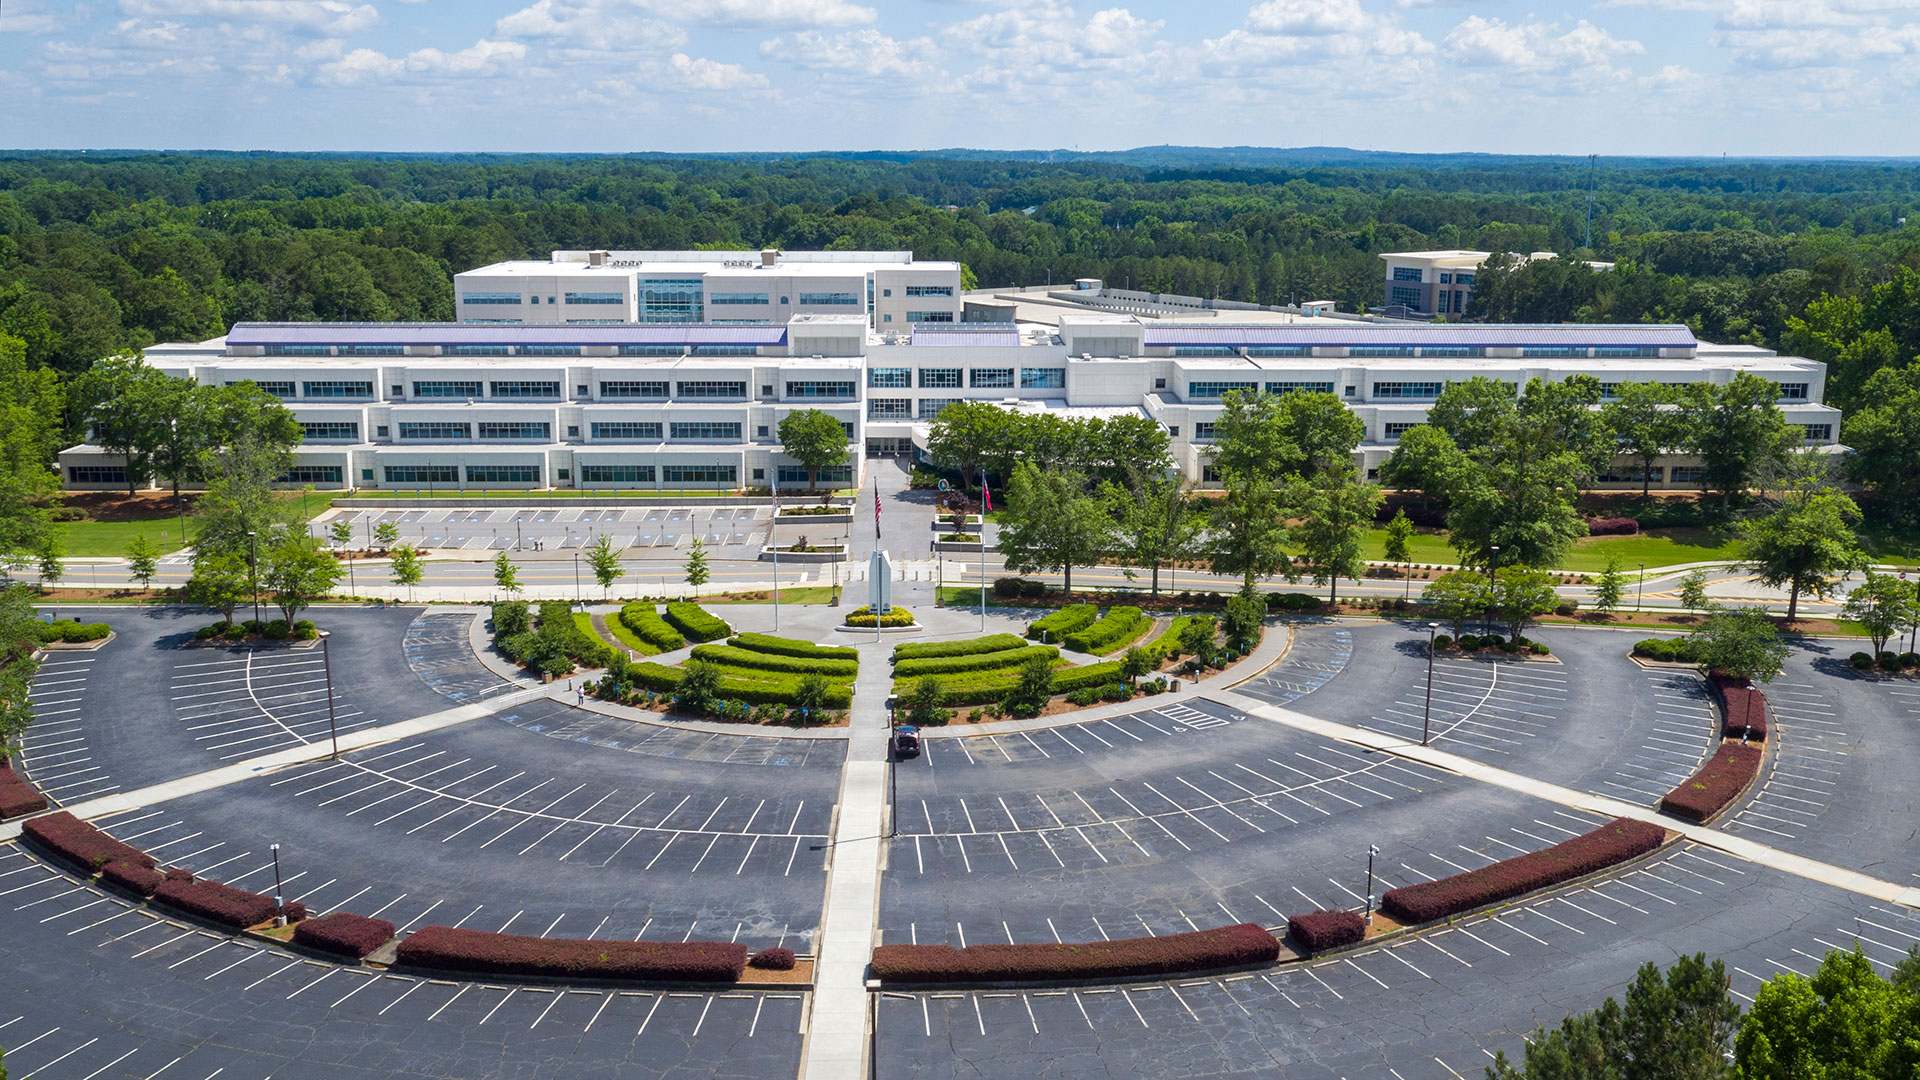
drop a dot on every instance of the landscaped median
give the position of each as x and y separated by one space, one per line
480 952
1221 949
17 797
753 678
1609 845
1720 781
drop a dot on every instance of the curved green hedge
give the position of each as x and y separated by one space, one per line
1169 640
988 687
696 623
649 627
1063 622
1120 627
944 665
780 646
729 656
992 643
775 689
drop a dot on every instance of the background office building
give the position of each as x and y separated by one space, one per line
1422 284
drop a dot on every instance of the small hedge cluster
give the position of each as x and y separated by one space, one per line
343 934
73 632
695 623
945 665
648 626
276 630
17 797
1744 707
1168 643
780 646
217 903
1206 950
1294 601
445 948
730 656
927 650
80 844
1721 780
778 958
1067 620
773 689
1007 588
1318 931
1609 845
136 878
1121 626
1673 650
555 642
1613 526
899 616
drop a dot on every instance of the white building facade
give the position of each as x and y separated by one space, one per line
692 406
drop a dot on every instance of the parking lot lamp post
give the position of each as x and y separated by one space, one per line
1640 601
253 571
1426 722
1372 850
576 576
279 916
326 663
983 549
516 535
1493 568
773 541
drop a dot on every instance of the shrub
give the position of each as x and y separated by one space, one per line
773 689
1673 650
216 903
479 952
344 934
1613 843
1318 931
1744 708
1721 780
133 877
278 630
944 665
775 959
235 632
1613 526
648 626
1063 622
17 797
729 656
1007 588
1121 626
304 630
511 617
1469 642
1909 661
1032 590
1086 696
1073 678
1170 954
1537 648
1168 644
1241 621
293 912
1493 641
1889 661
80 844
926 650
1567 609
1443 641
780 646
695 623
899 616
1860 661
1116 691
206 632
73 631
1294 601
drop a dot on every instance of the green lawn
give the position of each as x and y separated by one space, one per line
798 594
625 636
1666 547
110 538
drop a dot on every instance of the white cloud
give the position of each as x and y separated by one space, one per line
1036 40
767 13
1537 47
700 73
328 16
368 65
862 53
29 17
593 25
1311 31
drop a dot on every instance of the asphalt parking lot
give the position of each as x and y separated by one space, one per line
640 532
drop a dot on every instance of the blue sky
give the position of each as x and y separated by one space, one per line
1778 77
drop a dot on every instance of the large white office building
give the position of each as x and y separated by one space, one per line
697 405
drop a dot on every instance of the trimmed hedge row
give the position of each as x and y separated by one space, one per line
774 689
780 646
648 626
1171 954
1168 643
343 934
1318 931
695 623
864 616
1073 678
73 631
17 797
1744 707
1673 650
444 948
1120 626
989 687
1610 844
1063 622
215 902
1721 780
927 650
80 844
777 958
942 665
729 656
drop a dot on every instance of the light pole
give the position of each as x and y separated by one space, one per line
352 589
253 571
516 534
984 497
326 662
279 916
1640 601
1493 568
1371 852
1426 722
773 541
576 576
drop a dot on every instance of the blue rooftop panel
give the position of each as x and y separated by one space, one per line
503 334
978 334
1439 334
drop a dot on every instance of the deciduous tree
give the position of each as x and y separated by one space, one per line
1883 605
1458 598
1734 430
1804 543
1334 508
407 568
143 560
604 558
505 577
1156 523
1740 641
1052 524
1646 422
299 571
812 438
221 580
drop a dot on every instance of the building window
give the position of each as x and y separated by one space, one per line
573 431
367 475
762 431
97 474
1380 350
422 474
396 390
329 429
832 474
890 378
1204 350
373 350
991 378
819 389
1291 387
1394 429
930 316
1818 432
671 300
889 409
435 429
549 350
930 408
700 474
379 433
475 350
1453 350
1159 384
311 474
515 429
1626 352
736 299
1687 474
1404 297
492 298
1406 273
629 430
1631 475
596 298
446 389
829 299
725 350
523 389
1269 351
336 388
1043 378
1217 389
708 430
1792 391
1209 474
277 387
1462 279
1173 431
1203 431
1406 389
1446 278
928 290
940 378
1552 351
653 350
627 388
710 389
299 350
616 474
503 474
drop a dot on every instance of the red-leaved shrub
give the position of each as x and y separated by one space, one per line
777 958
293 912
347 935
1205 950
76 842
133 877
1318 931
479 952
1615 842
215 902
1613 526
1721 780
17 797
1745 707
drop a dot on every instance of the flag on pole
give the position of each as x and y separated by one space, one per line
986 497
876 508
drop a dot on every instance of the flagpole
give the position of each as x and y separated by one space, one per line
773 535
876 548
984 499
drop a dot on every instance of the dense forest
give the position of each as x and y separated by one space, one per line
103 253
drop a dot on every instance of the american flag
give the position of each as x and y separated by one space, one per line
876 509
986 497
